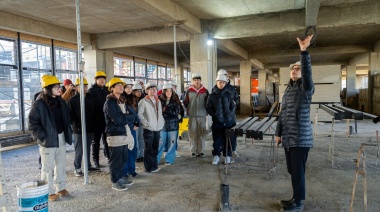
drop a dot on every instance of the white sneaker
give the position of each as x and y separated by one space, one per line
236 155
227 160
216 160
177 155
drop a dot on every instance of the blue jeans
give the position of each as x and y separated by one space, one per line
140 142
78 145
167 139
130 167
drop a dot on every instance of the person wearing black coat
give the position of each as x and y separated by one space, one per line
221 107
294 127
50 126
235 96
171 113
118 118
75 119
99 92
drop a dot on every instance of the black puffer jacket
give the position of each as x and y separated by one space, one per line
115 118
75 113
221 106
43 126
100 95
294 121
170 114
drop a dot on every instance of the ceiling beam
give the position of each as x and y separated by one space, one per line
361 59
30 26
139 38
257 64
312 8
330 50
376 46
146 53
292 21
171 12
279 65
232 48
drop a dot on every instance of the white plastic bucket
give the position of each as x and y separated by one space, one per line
33 196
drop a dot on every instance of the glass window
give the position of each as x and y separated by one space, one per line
72 75
169 73
140 69
36 56
152 71
9 100
32 85
161 72
7 52
65 59
123 67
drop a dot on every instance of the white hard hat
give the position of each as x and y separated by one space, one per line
136 86
195 75
149 85
221 77
222 71
298 63
173 83
167 85
128 81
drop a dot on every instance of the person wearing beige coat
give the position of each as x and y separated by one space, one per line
150 114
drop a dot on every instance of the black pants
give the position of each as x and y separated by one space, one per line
296 158
78 145
99 134
151 141
117 162
219 144
233 142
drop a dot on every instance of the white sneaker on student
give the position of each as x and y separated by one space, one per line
236 155
228 160
216 160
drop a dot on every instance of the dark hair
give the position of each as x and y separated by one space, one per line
130 100
173 98
47 97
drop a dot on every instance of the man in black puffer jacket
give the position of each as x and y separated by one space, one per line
294 128
99 92
221 106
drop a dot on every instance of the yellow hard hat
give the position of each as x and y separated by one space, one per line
49 80
114 81
77 81
107 84
100 74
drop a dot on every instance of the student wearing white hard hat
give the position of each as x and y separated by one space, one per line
150 114
235 96
130 168
137 93
195 103
170 111
220 106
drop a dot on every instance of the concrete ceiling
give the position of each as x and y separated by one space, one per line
266 30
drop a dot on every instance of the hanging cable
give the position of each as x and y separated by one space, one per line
182 52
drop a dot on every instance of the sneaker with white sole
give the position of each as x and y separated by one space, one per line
124 180
236 155
193 155
216 160
177 155
167 164
156 170
78 173
118 186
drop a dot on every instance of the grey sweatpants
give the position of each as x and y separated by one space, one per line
197 134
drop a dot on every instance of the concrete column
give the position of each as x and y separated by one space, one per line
262 83
96 60
180 83
203 59
245 87
373 68
350 82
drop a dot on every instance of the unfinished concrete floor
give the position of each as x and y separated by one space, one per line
193 184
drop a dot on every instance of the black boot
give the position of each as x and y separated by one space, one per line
294 207
96 164
286 203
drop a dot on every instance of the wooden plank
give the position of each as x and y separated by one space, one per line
250 132
260 133
244 127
